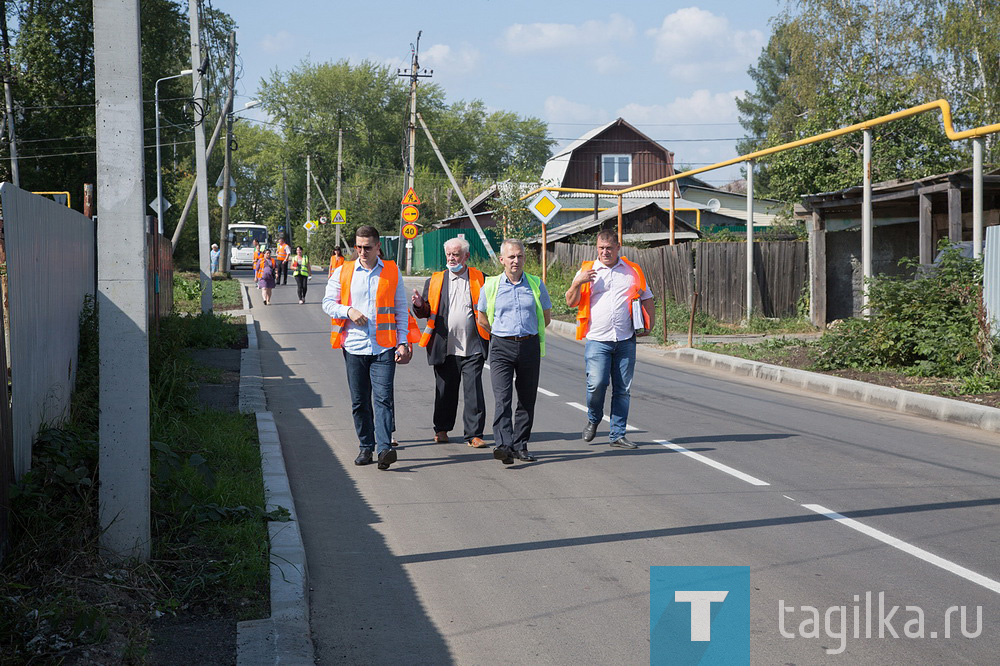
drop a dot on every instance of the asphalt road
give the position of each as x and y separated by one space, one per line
451 557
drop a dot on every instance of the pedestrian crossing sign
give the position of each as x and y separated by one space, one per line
338 216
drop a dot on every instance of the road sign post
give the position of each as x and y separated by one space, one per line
544 207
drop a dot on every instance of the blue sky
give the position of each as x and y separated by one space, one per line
672 70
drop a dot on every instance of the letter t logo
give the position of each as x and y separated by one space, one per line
701 610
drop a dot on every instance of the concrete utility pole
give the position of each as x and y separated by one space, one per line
284 195
121 297
226 169
200 161
413 74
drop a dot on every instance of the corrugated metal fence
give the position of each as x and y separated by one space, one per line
428 249
781 274
50 268
991 278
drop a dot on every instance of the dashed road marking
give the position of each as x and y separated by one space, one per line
712 463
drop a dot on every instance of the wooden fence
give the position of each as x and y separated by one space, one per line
719 271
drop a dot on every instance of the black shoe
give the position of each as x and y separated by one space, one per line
589 432
623 443
364 458
525 456
386 458
504 455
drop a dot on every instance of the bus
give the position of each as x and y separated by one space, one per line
241 238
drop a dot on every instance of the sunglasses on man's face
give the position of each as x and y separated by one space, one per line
364 248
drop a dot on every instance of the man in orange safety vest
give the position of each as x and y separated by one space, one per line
613 307
372 325
456 346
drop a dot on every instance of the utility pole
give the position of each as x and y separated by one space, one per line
413 74
227 166
201 166
15 173
309 206
340 156
121 297
284 195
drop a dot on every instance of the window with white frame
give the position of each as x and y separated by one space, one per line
616 169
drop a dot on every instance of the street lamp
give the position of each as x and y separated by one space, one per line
159 170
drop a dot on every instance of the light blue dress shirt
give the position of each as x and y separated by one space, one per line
360 340
515 312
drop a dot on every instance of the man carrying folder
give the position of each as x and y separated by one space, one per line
614 306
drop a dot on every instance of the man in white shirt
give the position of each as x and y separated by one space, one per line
603 292
371 323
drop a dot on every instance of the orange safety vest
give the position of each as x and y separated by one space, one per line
385 303
335 263
282 251
583 308
258 254
260 268
476 280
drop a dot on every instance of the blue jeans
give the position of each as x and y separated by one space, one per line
612 362
369 375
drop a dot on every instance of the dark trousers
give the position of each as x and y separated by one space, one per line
302 282
282 273
514 368
370 380
467 371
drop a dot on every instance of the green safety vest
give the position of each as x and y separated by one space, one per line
492 286
303 268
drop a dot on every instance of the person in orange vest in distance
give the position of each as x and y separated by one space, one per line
281 255
257 254
456 347
267 271
604 293
372 325
336 260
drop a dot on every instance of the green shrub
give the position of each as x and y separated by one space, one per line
930 325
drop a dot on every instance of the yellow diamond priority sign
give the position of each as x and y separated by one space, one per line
544 206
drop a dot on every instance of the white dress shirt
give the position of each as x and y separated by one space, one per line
610 302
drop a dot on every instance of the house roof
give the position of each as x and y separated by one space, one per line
587 222
555 169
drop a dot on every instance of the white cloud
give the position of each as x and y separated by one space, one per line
280 42
696 43
454 61
610 64
703 106
561 110
525 38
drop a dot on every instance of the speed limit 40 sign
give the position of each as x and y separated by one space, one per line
409 231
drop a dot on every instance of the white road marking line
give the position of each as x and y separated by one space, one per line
919 553
712 463
548 393
583 408
789 498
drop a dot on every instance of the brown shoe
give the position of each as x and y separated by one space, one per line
477 443
441 437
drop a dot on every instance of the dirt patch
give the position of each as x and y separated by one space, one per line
190 638
219 385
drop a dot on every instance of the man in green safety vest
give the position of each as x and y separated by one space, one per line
514 307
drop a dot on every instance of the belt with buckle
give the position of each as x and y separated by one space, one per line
517 338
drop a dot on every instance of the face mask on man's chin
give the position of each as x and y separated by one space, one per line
456 269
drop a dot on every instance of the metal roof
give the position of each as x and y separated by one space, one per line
589 222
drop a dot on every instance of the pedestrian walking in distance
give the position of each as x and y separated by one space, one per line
514 307
300 272
614 306
457 347
267 272
281 255
372 325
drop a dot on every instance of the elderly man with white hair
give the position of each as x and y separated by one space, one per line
456 346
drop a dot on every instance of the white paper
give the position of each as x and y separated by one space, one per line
638 323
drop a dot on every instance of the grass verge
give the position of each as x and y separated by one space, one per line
63 600
187 292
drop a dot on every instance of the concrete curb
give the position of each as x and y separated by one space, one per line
284 637
906 402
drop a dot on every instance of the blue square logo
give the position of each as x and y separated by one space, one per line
699 615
